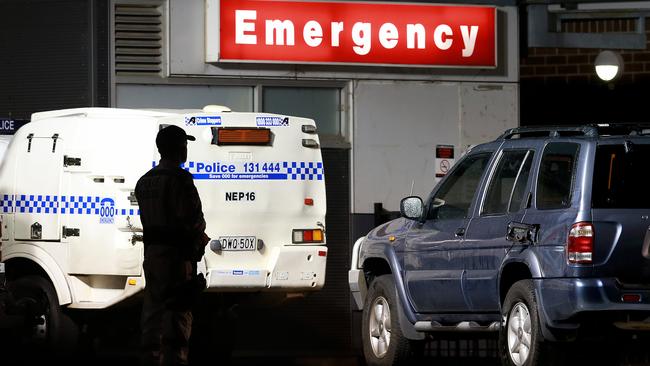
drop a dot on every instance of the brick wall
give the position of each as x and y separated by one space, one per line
573 65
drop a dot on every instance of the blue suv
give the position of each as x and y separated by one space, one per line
540 235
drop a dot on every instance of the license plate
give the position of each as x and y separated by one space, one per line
238 243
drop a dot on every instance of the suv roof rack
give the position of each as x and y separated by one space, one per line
588 130
633 128
549 131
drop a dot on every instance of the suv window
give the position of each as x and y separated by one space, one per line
619 176
453 199
555 180
507 186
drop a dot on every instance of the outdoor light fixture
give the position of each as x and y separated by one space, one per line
609 65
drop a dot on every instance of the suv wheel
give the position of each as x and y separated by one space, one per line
521 342
383 341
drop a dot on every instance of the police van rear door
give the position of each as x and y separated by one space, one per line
261 182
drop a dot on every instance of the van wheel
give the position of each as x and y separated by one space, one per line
383 341
521 342
46 327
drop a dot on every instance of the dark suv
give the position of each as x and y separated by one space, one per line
539 235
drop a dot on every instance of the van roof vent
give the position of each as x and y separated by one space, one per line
138 39
213 108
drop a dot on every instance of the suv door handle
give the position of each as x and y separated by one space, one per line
460 232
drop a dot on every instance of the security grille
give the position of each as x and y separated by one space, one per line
138 39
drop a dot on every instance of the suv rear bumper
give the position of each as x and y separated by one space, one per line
565 303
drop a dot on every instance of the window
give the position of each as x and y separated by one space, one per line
556 173
454 198
237 98
518 200
506 189
320 104
620 176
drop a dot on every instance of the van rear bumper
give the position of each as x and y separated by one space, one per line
292 268
566 303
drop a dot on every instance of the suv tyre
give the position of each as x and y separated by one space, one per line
383 341
521 342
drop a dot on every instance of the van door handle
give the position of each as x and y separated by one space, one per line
460 232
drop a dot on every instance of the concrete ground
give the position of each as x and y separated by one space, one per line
468 351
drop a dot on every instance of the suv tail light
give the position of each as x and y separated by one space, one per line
580 244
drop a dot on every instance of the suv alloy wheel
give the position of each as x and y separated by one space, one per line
383 341
521 342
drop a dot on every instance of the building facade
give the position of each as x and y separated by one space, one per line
397 90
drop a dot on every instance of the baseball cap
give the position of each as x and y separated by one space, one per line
172 136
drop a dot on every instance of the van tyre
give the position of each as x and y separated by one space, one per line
383 341
521 342
46 327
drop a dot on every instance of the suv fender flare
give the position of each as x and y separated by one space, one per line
406 315
43 260
523 260
528 258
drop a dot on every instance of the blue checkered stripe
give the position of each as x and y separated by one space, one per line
301 170
48 204
36 203
7 203
127 212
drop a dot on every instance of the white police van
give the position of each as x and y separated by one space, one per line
71 228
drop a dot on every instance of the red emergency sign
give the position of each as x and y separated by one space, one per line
355 33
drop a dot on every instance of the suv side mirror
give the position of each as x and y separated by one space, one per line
411 207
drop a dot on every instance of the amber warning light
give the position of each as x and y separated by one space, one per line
241 136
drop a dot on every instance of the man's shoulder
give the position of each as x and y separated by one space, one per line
148 175
145 176
173 175
168 171
182 174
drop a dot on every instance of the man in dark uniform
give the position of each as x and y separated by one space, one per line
174 240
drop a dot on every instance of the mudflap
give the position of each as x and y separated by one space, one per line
408 329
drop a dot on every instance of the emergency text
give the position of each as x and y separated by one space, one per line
353 32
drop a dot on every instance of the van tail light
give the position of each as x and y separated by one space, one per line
241 136
580 244
311 143
305 236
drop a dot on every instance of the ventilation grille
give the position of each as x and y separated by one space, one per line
138 39
618 25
